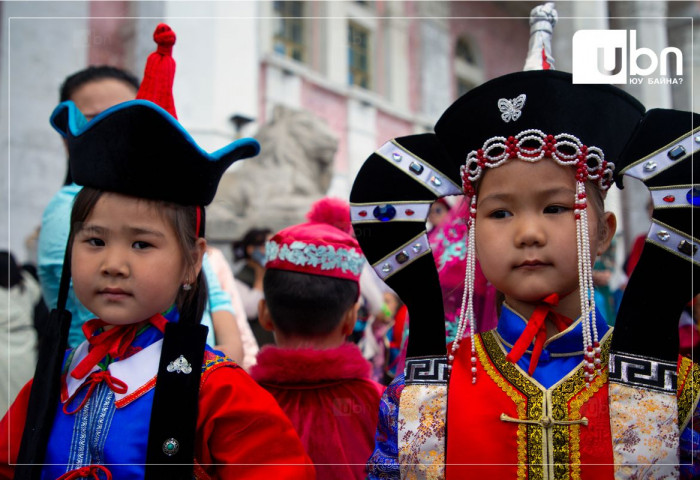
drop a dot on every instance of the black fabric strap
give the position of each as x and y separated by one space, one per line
46 385
173 424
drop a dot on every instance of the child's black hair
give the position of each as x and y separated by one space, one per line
307 305
183 219
255 237
94 73
11 271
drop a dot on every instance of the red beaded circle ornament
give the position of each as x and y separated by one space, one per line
533 145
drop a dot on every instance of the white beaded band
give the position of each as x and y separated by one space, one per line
402 256
418 169
678 196
389 212
662 159
533 145
674 241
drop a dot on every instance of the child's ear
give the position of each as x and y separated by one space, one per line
608 228
200 247
349 319
264 317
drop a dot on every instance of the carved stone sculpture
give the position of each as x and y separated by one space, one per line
276 188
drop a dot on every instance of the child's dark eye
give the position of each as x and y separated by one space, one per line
554 209
500 214
95 242
140 245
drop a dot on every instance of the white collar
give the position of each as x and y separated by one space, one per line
139 372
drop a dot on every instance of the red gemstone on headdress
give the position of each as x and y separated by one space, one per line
669 199
362 213
409 212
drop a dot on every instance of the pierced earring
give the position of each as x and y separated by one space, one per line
187 287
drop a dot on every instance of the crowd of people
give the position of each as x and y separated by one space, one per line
336 348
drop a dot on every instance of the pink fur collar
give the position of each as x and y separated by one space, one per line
282 365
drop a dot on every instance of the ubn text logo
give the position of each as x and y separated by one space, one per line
601 56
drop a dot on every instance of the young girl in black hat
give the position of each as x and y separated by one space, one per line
552 392
143 396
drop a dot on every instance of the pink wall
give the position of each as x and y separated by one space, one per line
108 38
389 126
502 41
413 60
334 110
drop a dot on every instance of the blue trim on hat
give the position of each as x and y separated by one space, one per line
78 125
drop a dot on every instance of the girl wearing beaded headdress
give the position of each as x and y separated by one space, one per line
535 397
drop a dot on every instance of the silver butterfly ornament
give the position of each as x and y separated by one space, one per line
511 109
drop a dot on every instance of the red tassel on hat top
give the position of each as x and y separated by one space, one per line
157 84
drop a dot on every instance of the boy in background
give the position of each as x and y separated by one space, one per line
320 380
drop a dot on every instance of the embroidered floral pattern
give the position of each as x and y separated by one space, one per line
644 432
421 435
324 257
383 464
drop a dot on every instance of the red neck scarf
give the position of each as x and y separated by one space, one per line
537 331
113 342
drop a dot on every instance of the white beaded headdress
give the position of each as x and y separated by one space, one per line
532 145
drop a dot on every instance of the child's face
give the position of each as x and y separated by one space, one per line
526 233
127 264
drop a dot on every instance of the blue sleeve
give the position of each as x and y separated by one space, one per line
53 238
218 299
690 448
384 462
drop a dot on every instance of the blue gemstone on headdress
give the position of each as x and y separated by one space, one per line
384 213
693 196
676 152
416 168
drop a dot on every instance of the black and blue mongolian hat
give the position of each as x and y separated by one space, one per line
139 148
